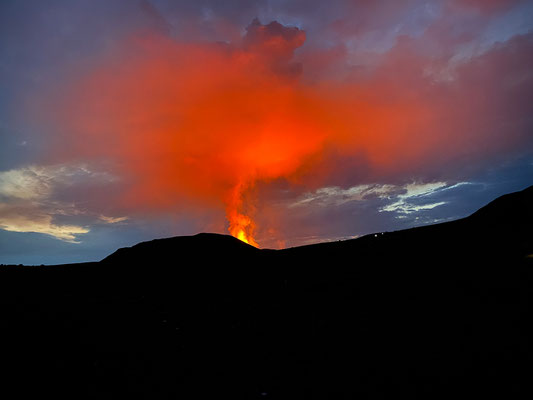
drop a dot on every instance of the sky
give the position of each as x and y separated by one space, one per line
280 122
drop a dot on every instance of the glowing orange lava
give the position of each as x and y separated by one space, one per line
241 225
243 232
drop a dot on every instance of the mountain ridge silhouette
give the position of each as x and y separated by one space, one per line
511 211
427 312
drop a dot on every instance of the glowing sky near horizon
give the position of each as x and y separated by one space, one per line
281 122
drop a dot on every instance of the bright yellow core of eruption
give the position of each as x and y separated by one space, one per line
242 227
241 235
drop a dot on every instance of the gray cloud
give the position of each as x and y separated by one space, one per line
29 202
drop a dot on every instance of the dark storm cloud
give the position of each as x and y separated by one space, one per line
276 44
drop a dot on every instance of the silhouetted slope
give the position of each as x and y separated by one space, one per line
505 224
202 247
514 208
503 227
430 312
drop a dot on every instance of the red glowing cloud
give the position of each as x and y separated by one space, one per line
202 123
198 121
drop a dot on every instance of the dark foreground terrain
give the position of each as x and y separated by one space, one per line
441 311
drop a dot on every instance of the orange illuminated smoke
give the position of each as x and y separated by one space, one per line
199 124
196 126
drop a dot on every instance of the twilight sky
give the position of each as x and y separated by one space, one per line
282 122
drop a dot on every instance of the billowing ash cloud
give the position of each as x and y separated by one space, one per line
275 45
191 124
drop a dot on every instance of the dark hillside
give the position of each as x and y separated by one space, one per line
431 312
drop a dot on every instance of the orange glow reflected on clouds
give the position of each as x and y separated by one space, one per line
199 124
